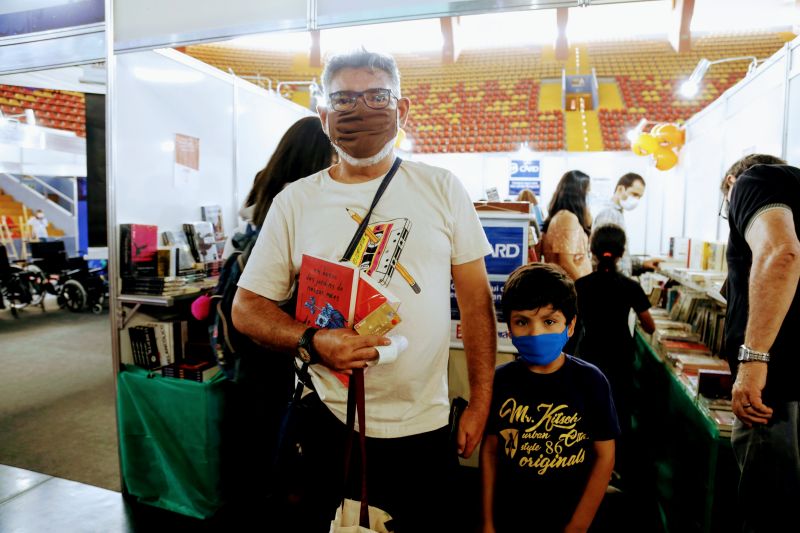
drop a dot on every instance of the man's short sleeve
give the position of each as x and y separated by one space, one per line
269 271
759 189
469 241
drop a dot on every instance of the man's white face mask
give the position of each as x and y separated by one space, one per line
629 203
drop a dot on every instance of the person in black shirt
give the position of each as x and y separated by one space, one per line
548 451
605 299
762 335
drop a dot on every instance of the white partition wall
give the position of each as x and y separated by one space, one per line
757 115
164 93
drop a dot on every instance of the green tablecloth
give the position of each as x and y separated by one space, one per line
170 434
690 464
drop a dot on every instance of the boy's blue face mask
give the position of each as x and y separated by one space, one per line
541 350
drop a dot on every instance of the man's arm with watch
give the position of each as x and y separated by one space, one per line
774 276
264 322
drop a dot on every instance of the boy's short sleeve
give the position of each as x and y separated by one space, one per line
604 424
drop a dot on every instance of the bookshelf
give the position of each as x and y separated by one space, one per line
684 277
683 454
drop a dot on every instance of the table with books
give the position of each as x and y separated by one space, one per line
170 435
684 452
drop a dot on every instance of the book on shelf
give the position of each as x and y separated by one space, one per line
167 261
724 420
333 294
178 240
170 338
692 363
144 347
191 369
201 241
213 214
138 249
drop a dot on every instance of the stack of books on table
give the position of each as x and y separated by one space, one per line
156 286
193 370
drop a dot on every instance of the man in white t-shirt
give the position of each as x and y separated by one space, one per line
38 224
436 235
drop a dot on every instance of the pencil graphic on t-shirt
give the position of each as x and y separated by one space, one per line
374 240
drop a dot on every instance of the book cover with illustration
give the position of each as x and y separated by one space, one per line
178 240
138 250
326 293
213 214
333 294
202 241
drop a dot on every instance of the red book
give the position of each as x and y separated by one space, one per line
375 309
138 250
326 293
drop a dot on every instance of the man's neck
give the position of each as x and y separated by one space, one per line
346 173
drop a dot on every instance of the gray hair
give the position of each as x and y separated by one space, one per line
361 59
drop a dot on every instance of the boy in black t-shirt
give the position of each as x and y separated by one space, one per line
605 299
548 451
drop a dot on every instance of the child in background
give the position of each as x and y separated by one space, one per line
605 299
548 451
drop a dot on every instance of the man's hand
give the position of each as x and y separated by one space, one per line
343 349
652 263
470 430
747 405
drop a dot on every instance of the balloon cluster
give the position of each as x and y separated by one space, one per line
662 143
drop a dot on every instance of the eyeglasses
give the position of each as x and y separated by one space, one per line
374 98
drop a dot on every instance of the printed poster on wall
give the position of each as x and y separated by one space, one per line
187 159
524 174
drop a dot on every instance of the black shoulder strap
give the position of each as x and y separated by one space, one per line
365 221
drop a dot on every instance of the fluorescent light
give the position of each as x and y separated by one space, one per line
691 86
30 117
157 75
689 89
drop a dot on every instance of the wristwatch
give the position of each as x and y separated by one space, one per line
747 355
305 347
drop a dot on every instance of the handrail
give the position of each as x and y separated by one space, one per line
47 187
311 85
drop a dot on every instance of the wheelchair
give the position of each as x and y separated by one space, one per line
75 285
20 287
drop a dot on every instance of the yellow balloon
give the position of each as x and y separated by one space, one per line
401 136
665 159
671 135
646 143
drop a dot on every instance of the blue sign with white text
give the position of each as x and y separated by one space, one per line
508 248
497 296
524 169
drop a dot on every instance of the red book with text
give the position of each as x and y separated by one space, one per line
326 293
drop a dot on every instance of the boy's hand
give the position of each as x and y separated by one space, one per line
470 430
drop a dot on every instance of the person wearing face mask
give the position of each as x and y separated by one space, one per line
548 452
627 195
38 225
423 231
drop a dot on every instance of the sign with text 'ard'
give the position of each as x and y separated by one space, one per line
524 174
508 248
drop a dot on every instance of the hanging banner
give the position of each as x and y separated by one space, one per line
524 174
